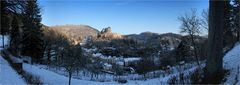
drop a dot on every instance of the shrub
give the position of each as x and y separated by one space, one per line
173 80
32 79
196 77
122 80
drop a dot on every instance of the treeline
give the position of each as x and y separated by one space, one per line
21 21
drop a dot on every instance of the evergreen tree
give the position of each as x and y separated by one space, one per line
182 51
32 33
227 30
236 17
15 36
10 11
5 20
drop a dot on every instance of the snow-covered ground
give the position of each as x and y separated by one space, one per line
52 78
232 63
8 76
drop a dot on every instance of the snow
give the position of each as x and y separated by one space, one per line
9 76
52 78
132 59
232 63
107 65
97 55
5 41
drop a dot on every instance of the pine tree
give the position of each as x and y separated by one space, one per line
182 51
10 10
5 21
32 33
15 36
236 17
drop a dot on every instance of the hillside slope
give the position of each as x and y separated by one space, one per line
232 63
76 32
9 76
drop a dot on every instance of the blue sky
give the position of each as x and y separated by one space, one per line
123 16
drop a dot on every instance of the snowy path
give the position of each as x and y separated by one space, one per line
9 76
232 62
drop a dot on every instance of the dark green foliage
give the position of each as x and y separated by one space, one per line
183 52
15 37
118 70
168 59
32 33
5 17
125 47
235 18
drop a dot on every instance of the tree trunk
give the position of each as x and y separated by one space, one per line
239 20
49 55
70 76
214 63
195 50
3 41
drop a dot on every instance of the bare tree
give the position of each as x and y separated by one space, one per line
72 60
204 20
53 42
191 25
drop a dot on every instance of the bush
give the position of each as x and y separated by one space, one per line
144 66
173 80
196 77
32 79
122 81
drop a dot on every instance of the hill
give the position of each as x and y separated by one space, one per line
76 32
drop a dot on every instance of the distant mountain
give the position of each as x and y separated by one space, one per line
76 32
80 32
106 33
153 39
